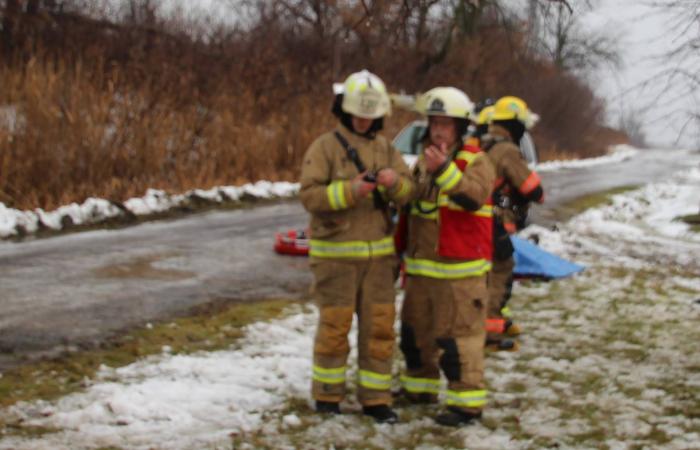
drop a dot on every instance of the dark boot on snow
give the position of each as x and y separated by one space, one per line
327 407
512 329
455 417
423 398
502 345
381 413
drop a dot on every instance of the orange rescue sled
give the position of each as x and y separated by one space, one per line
292 242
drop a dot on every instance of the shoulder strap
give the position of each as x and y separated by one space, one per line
379 202
352 153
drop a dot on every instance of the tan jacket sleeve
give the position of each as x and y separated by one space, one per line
402 192
318 192
519 175
470 188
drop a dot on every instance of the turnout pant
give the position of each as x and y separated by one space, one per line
443 328
500 285
341 290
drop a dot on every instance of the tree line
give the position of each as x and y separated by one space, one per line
180 101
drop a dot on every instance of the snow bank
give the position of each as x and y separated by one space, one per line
617 153
94 210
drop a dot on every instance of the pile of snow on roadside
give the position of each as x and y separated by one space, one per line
95 210
14 222
616 154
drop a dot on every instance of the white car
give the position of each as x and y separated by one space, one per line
408 142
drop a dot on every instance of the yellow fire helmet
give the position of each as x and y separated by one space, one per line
364 95
485 115
509 107
445 101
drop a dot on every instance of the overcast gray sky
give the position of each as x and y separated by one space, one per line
645 35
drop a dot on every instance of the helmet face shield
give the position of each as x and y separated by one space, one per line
365 96
367 104
445 101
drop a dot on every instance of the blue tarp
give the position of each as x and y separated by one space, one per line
533 262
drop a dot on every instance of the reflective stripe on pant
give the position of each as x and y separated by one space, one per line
475 399
341 289
415 385
500 285
443 327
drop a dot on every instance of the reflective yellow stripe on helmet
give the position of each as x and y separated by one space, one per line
420 385
450 271
328 376
351 249
375 380
450 177
466 399
336 195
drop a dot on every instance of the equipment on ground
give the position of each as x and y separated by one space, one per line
531 261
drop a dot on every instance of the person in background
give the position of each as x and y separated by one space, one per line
516 187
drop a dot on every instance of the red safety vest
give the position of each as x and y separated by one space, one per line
464 234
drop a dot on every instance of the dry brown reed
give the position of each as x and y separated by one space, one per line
95 108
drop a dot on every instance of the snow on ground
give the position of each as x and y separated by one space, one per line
617 153
608 360
95 210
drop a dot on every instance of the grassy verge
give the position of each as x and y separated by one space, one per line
209 328
693 220
580 204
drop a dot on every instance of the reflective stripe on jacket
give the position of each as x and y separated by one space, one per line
351 249
448 271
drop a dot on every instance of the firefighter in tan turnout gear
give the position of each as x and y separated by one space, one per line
348 178
516 186
447 255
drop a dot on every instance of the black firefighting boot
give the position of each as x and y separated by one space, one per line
501 345
381 413
455 417
327 407
422 398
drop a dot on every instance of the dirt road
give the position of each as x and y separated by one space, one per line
77 289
